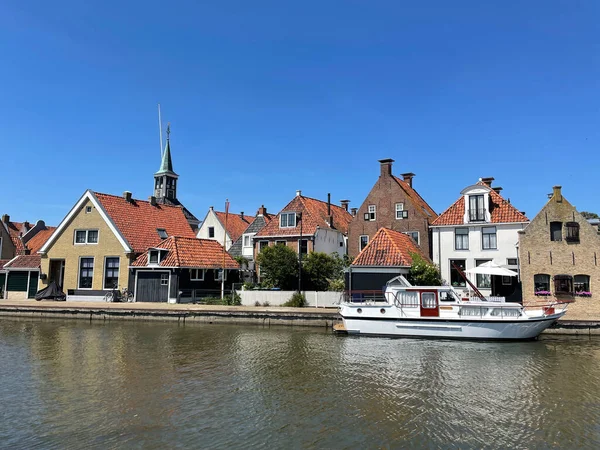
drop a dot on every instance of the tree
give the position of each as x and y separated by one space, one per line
422 273
589 215
322 270
278 266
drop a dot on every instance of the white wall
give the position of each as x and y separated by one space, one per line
212 221
443 247
277 298
328 241
248 252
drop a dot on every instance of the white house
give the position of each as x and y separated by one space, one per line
480 226
223 227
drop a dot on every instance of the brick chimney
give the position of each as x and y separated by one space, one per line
487 181
127 196
262 211
497 189
345 204
557 195
152 200
353 211
408 177
386 167
5 218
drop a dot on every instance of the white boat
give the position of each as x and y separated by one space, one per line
439 312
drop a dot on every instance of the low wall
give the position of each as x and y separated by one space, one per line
316 299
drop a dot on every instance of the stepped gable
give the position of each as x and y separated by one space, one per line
192 253
389 248
138 220
501 211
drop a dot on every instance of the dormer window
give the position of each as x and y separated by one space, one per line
287 220
156 255
476 208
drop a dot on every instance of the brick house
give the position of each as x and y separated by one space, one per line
559 253
392 203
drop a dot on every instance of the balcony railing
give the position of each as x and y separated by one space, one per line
477 215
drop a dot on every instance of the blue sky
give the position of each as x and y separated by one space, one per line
267 97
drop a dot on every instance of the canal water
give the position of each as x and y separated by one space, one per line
73 385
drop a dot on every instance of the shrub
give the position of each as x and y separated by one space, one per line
256 303
233 299
296 301
266 304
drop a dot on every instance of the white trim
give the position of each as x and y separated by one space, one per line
197 271
418 240
79 272
104 288
374 212
360 241
477 224
87 236
287 215
87 195
135 286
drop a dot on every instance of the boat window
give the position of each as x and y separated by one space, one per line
428 300
473 311
505 312
407 299
447 296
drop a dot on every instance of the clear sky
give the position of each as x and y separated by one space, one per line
266 97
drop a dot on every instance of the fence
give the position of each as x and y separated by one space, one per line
317 299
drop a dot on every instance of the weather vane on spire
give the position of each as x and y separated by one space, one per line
168 129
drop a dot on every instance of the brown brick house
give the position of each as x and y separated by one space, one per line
559 253
392 203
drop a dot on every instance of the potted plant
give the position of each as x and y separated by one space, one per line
543 293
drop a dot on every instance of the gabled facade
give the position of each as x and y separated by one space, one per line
92 248
223 227
392 203
480 226
183 270
559 254
306 224
387 255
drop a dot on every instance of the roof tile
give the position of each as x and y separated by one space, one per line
236 223
24 262
389 248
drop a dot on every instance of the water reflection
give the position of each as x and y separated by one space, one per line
155 385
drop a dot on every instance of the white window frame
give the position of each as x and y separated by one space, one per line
79 272
216 274
150 263
162 279
87 236
104 286
360 247
247 240
495 233
418 239
88 209
287 216
456 234
400 212
194 274
372 212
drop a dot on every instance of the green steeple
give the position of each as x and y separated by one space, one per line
166 165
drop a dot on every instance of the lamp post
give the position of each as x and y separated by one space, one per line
299 218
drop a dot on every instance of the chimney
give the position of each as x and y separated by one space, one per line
344 204
242 214
262 210
408 178
212 208
127 196
497 189
27 251
557 194
26 225
298 193
386 167
329 204
353 211
523 212
5 218
152 200
487 181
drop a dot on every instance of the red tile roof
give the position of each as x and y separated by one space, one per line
138 220
416 199
39 239
501 211
15 231
314 214
2 262
24 262
236 224
191 252
389 248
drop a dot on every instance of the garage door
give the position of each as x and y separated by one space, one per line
152 287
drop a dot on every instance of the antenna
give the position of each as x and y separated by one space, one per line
160 130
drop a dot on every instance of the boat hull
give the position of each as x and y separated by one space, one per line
450 329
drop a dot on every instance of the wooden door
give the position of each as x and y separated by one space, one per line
152 287
430 306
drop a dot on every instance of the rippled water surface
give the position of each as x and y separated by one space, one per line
152 385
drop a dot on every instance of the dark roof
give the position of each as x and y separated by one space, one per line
257 225
24 262
174 202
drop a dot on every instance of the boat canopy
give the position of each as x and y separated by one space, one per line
491 268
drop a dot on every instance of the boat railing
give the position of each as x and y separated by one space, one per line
364 296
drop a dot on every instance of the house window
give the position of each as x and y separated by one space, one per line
247 240
86 236
563 284
372 213
197 274
86 273
280 243
211 232
262 245
476 208
461 239
88 209
164 279
541 283
303 246
506 281
153 258
218 274
572 232
581 283
414 235
488 236
456 279
556 231
400 213
483 281
512 262
287 220
362 243
162 233
111 272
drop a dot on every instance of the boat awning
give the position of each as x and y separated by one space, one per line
491 268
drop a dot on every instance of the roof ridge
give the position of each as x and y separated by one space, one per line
406 187
137 200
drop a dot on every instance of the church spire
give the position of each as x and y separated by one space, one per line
166 165
165 180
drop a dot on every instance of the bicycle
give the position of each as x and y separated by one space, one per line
115 295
